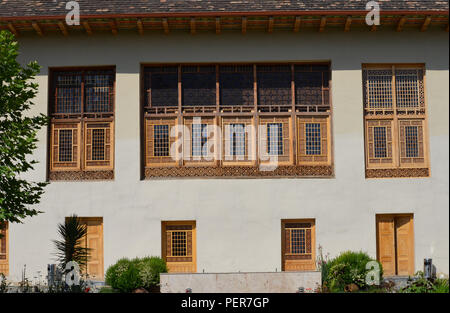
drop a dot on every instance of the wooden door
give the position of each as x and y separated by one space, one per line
386 243
4 253
405 244
94 241
298 245
395 244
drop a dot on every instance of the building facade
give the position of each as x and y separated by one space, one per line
355 117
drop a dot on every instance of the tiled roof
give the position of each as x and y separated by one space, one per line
40 8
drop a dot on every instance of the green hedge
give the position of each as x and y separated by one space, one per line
128 275
347 268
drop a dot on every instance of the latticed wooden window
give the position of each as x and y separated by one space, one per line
199 139
274 85
236 85
275 138
161 86
98 145
313 141
238 139
198 85
394 96
159 141
378 88
379 141
4 259
179 246
312 86
65 146
298 245
85 91
199 144
411 142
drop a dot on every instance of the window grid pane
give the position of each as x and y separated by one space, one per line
313 142
298 241
161 140
411 138
237 139
406 86
275 138
98 144
379 141
198 140
65 145
379 85
179 243
97 92
68 93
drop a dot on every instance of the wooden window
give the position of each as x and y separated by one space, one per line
159 141
179 246
274 85
298 245
199 141
395 117
236 85
312 90
313 140
199 85
161 86
4 249
98 145
411 143
82 118
276 141
238 141
395 243
65 146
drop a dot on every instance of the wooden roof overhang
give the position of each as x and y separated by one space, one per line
218 22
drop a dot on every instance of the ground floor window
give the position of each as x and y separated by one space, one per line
298 245
4 249
179 246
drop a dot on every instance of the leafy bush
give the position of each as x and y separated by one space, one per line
128 275
347 268
441 286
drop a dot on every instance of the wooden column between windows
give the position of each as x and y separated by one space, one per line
255 114
217 123
293 118
395 145
179 115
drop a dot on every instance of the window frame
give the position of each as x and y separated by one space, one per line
298 261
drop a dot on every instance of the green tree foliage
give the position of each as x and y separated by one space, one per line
17 134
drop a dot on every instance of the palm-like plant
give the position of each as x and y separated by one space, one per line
70 247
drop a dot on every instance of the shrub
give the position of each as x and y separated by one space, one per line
347 268
422 285
128 275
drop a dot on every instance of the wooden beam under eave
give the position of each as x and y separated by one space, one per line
373 28
63 28
218 25
87 28
323 23
270 27
113 25
192 24
244 25
425 24
140 26
401 23
13 29
165 24
348 23
297 23
37 28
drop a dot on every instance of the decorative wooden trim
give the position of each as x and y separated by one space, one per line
87 27
426 23
239 172
192 25
108 146
323 23
80 175
298 262
348 23
397 172
4 246
180 264
151 159
13 29
165 24
270 26
63 28
401 23
140 26
37 28
297 24
218 30
113 25
74 163
244 25
324 158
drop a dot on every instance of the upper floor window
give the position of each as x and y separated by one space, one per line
82 118
395 118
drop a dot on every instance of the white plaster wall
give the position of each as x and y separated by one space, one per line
238 220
